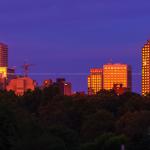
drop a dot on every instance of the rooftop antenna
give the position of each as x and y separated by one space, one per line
25 67
110 61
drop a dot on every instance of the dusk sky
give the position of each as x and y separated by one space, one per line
71 36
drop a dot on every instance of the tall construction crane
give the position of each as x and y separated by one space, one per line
25 67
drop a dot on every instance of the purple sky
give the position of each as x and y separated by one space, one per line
70 36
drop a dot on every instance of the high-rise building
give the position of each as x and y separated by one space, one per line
95 81
146 68
5 72
117 74
117 77
3 55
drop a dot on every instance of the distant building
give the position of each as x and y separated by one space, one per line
79 93
65 87
117 74
20 85
111 76
47 83
3 55
68 89
95 81
146 68
119 89
3 83
6 75
3 72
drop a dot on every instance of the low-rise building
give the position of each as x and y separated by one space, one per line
20 85
65 87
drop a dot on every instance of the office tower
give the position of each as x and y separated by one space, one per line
3 65
6 74
20 85
3 55
146 68
64 87
117 74
95 81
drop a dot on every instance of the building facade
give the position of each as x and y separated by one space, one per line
64 87
20 85
6 75
117 77
3 55
68 89
146 68
117 74
95 81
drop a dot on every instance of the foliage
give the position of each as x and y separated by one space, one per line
45 119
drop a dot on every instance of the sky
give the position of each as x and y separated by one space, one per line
68 37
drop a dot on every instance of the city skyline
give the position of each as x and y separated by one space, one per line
75 75
72 37
53 75
110 76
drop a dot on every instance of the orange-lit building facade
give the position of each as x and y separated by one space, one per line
117 74
6 75
3 72
117 77
3 55
95 81
3 65
146 68
20 85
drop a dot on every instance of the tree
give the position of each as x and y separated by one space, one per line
7 128
135 125
42 142
97 124
106 141
68 136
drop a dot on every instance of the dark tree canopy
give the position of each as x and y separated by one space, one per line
47 120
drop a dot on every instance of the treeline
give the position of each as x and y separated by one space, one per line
46 120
